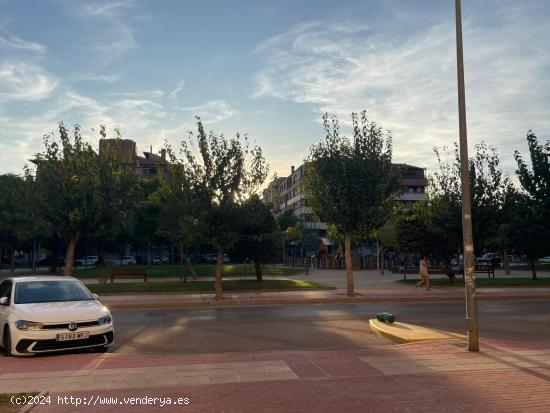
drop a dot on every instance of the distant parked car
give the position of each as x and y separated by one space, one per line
209 258
125 260
212 258
159 260
545 260
490 258
87 261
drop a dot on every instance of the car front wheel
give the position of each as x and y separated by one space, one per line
6 342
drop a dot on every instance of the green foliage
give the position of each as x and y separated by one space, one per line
223 174
351 182
488 188
19 221
286 219
260 239
81 193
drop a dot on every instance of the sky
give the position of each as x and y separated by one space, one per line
271 69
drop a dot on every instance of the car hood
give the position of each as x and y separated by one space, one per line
61 312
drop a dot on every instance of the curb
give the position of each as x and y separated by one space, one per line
343 300
29 407
391 332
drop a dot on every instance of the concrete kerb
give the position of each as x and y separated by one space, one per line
404 333
335 300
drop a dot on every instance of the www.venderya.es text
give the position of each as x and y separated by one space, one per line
98 400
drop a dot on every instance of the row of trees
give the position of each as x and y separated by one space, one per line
208 195
352 185
504 217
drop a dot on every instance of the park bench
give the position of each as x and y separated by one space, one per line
415 270
134 272
488 269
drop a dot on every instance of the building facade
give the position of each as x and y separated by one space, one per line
286 193
148 166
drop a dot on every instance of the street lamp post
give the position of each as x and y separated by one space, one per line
469 264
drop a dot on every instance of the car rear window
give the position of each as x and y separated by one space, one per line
32 292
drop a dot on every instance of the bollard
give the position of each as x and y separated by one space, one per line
385 317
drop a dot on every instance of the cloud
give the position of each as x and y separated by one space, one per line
406 78
21 81
179 87
112 37
95 77
13 43
212 111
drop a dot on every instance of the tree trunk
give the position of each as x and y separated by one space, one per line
12 260
68 270
533 269
190 265
349 268
218 280
258 268
382 259
185 265
506 262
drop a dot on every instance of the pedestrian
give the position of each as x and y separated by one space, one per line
425 277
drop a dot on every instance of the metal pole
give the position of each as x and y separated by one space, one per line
469 264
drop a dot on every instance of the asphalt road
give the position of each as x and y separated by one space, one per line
303 327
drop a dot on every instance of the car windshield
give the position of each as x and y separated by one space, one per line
50 291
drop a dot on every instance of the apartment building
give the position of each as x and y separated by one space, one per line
147 166
286 193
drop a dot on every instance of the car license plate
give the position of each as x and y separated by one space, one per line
73 336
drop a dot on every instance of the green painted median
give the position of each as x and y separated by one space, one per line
204 286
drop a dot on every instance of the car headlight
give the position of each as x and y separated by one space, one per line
28 325
106 319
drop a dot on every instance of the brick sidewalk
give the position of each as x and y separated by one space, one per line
425 377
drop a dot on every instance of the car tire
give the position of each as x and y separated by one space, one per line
6 342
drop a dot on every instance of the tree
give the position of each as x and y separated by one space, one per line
16 213
286 219
532 210
179 219
526 229
224 173
260 238
81 193
351 182
536 182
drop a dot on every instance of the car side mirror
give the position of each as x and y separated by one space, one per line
96 296
4 301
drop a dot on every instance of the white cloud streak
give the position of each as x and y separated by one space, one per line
408 83
21 81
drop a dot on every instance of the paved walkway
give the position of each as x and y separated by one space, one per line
434 376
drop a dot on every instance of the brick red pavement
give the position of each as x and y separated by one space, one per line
335 381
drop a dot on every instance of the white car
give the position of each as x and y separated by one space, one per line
124 261
544 260
47 314
88 261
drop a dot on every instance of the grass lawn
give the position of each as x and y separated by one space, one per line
6 406
486 282
205 286
203 270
